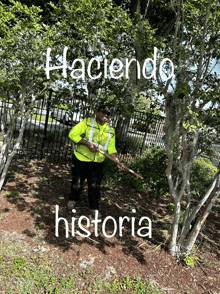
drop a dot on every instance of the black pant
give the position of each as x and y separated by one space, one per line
93 172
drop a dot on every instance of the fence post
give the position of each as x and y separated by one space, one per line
46 121
145 136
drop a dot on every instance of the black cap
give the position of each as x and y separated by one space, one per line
104 108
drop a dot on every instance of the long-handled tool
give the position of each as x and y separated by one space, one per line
126 168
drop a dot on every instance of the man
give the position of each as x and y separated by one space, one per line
89 135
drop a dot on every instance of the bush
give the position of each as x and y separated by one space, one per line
112 175
152 166
203 173
154 162
110 169
135 182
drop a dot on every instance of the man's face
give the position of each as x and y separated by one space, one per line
102 117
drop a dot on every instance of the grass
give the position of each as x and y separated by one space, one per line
42 118
22 272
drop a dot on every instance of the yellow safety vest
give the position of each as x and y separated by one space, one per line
102 136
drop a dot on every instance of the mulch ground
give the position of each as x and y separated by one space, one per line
28 215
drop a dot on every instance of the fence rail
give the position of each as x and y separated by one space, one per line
46 133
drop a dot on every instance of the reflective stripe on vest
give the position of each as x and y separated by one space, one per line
91 136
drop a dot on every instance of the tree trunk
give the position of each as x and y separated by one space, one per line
189 220
174 234
200 222
12 154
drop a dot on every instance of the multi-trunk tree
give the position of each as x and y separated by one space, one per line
100 37
192 101
23 40
83 31
189 35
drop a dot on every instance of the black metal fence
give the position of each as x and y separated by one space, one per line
46 133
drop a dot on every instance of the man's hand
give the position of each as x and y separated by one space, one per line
92 147
121 166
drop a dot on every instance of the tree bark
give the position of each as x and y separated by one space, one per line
12 154
200 222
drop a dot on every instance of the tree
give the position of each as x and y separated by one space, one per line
45 11
24 39
92 31
102 30
191 103
84 31
190 38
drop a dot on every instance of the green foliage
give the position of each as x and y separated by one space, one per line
23 39
190 260
110 169
112 175
41 226
46 273
19 263
171 207
8 195
93 29
203 173
152 166
192 96
139 185
136 285
13 194
150 107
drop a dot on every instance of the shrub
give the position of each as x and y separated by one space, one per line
154 162
152 166
203 172
136 183
110 169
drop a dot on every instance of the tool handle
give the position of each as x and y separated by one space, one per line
125 167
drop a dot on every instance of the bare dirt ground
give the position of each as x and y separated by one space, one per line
27 214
